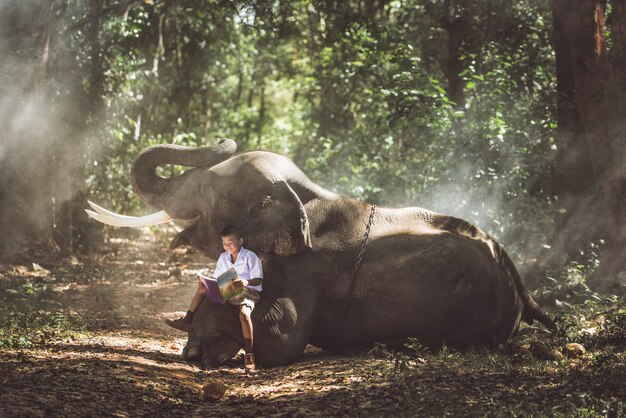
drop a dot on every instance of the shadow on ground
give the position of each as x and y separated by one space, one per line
129 363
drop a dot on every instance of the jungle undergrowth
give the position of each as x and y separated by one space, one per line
31 317
592 378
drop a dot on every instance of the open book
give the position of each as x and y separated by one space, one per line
222 288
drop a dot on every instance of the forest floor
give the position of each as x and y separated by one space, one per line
86 338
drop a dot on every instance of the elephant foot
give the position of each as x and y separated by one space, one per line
194 353
192 350
209 362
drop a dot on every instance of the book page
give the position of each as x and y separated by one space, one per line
225 283
212 289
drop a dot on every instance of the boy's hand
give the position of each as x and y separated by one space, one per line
240 283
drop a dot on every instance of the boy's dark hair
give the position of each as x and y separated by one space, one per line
231 230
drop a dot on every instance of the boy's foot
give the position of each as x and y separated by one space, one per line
179 324
249 362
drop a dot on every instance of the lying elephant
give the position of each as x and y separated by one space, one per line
421 274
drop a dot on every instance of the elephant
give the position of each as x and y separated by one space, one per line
339 273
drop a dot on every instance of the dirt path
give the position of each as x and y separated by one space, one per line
129 364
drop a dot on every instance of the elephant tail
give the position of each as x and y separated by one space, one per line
531 310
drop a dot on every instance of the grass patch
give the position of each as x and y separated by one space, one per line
29 316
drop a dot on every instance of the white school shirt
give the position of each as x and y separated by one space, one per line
248 266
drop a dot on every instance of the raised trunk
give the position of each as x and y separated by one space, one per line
155 190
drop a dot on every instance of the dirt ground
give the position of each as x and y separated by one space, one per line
127 363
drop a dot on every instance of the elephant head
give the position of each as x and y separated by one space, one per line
250 190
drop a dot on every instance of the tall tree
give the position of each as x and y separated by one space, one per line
44 112
26 211
72 230
591 72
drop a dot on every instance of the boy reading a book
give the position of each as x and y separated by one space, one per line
248 267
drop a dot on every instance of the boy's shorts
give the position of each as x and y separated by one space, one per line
248 297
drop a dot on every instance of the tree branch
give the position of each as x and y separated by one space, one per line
119 8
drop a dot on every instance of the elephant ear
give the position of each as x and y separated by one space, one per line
277 223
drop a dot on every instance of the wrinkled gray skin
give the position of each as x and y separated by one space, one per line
424 275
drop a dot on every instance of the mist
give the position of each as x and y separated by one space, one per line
41 125
50 119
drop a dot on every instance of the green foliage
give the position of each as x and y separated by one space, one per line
358 96
597 324
29 318
567 285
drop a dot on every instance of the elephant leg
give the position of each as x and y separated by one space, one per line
217 351
284 325
193 348
211 352
216 334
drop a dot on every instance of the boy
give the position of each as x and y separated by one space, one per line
250 272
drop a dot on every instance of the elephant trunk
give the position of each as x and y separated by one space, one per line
155 190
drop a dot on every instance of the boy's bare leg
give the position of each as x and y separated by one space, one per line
247 331
184 323
197 298
246 321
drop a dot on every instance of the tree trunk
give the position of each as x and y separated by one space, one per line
261 120
574 181
159 51
73 231
599 82
26 213
457 32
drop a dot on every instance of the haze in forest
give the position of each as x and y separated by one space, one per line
452 107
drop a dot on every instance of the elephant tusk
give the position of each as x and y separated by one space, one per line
103 211
131 221
111 218
108 214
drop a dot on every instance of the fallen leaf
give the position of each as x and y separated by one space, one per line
213 390
574 350
542 352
